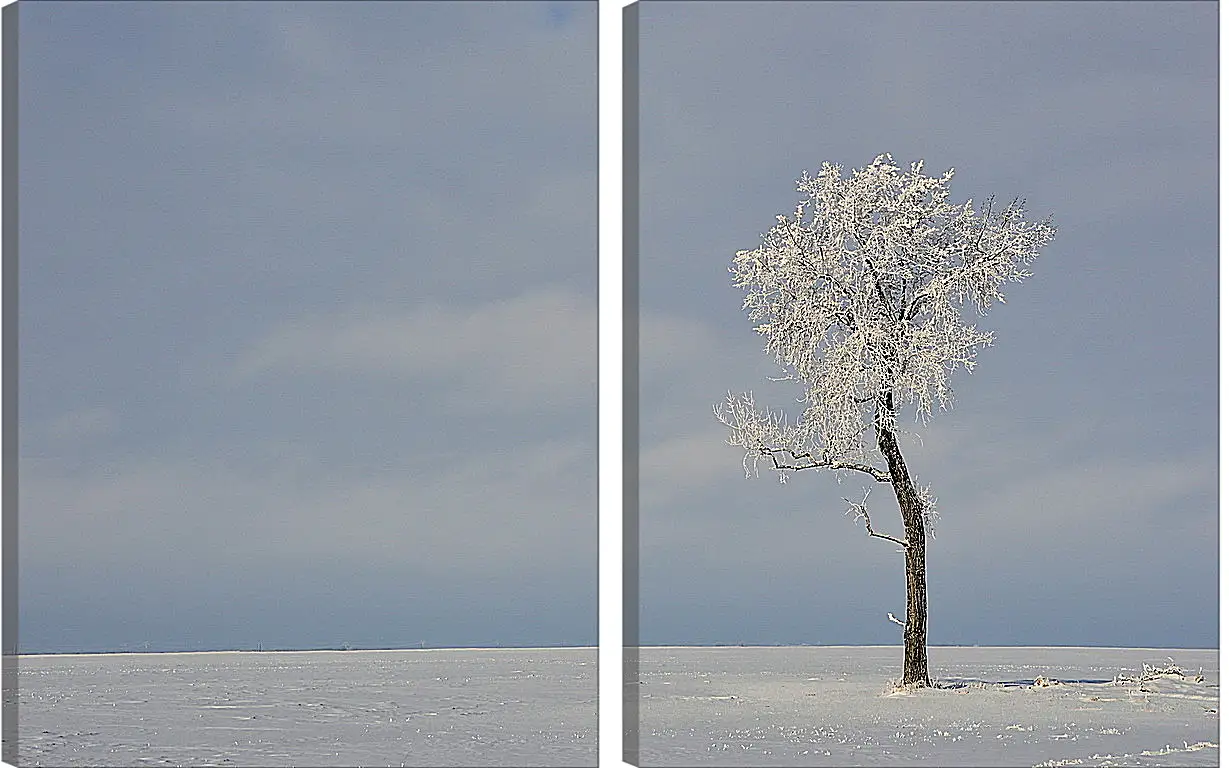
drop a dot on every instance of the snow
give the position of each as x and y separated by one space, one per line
836 706
698 706
387 708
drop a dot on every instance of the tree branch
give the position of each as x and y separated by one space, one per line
879 474
794 236
915 305
860 511
989 211
867 519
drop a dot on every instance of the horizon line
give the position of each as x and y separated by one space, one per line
36 654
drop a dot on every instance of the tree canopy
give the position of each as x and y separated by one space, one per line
861 296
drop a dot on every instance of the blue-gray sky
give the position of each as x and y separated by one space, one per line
1076 475
307 324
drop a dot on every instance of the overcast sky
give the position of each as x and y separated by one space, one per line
308 322
308 325
1076 475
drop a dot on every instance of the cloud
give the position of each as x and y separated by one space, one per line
682 353
414 145
1099 508
453 517
516 353
1056 119
82 424
672 343
682 465
403 75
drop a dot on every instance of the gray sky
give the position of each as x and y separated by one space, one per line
1076 475
308 324
308 304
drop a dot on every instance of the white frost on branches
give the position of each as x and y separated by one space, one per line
930 515
860 295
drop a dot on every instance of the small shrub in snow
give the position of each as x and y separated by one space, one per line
1149 672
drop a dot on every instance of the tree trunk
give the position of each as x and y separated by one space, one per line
916 670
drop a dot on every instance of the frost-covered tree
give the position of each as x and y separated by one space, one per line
862 295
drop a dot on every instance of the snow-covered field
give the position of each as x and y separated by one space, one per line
835 706
353 708
537 707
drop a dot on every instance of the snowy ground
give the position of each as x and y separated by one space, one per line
698 706
354 708
834 706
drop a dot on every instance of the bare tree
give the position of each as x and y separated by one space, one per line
861 296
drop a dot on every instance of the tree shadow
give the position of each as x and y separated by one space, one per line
971 682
